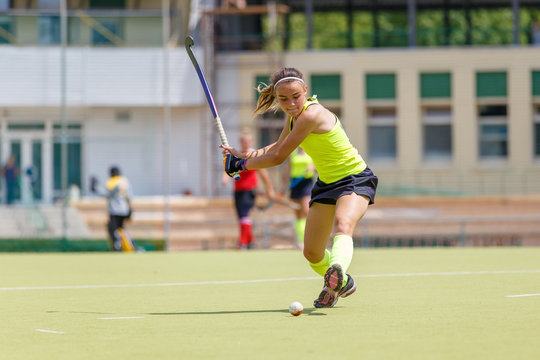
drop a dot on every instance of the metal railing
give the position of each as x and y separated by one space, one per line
144 28
85 28
457 230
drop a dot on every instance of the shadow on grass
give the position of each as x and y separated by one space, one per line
308 312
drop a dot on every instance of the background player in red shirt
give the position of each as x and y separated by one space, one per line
245 192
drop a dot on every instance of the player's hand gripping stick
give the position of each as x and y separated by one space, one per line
233 165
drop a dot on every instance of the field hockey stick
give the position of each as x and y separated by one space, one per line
290 204
269 203
266 206
189 43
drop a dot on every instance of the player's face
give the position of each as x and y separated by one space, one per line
291 96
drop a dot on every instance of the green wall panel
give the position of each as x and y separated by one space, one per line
491 84
435 85
380 86
326 87
536 83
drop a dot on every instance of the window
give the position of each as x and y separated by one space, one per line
25 127
493 131
107 4
492 115
74 155
436 119
382 129
326 87
107 30
437 135
491 84
49 25
49 4
435 85
49 30
536 93
536 83
537 131
6 30
380 86
36 170
382 134
16 151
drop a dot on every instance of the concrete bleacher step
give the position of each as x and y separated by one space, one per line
198 223
41 221
193 223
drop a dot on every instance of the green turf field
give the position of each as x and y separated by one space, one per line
449 303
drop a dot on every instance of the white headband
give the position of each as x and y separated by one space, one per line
289 78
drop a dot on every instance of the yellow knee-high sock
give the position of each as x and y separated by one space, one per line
323 265
300 229
342 252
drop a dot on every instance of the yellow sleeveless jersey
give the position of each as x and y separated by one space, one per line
300 165
332 152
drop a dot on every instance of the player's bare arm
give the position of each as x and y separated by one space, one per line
303 126
253 153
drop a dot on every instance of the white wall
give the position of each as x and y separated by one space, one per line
137 147
96 77
104 81
133 145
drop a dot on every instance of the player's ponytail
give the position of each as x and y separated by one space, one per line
267 95
266 98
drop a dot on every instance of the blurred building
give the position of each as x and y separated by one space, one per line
119 82
441 97
438 100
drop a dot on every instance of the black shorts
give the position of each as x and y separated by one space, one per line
364 183
244 201
301 187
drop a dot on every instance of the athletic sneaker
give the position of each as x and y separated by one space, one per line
327 298
333 281
349 288
333 278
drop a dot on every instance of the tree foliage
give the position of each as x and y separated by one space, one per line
390 28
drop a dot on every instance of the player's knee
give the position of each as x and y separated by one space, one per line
311 256
344 225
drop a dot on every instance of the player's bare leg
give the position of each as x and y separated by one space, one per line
349 210
318 230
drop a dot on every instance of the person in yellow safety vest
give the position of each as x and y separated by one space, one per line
118 193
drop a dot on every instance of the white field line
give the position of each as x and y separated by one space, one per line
521 295
50 331
121 318
226 282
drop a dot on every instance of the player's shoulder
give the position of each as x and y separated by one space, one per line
318 113
313 111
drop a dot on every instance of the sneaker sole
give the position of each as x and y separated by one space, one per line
326 299
333 278
346 292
